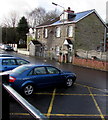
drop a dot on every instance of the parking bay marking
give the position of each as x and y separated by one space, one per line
72 94
51 103
96 104
91 87
52 100
62 115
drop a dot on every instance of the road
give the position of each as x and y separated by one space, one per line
87 99
86 76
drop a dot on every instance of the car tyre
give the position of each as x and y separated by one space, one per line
69 82
28 90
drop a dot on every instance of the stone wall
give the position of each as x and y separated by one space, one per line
89 33
52 41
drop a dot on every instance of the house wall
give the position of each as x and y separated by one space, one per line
32 50
89 32
52 41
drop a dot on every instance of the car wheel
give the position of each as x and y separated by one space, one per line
28 89
69 82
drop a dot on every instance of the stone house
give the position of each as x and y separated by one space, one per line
62 36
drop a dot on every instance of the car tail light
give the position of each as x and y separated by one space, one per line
11 79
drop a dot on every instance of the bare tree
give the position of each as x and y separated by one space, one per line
11 20
36 16
51 15
39 16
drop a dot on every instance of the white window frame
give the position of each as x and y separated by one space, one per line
38 33
70 31
46 33
58 32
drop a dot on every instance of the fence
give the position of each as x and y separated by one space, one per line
14 46
102 56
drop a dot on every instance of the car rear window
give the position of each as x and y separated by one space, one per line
21 62
20 69
8 62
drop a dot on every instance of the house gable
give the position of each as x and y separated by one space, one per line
89 32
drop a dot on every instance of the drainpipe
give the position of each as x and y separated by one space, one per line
105 40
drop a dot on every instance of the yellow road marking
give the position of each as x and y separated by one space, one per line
19 114
97 106
72 94
75 115
90 87
51 104
63 115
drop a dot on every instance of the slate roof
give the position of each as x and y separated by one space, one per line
35 42
79 16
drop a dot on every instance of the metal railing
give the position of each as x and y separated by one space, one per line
24 103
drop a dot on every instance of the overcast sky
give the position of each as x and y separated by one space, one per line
22 6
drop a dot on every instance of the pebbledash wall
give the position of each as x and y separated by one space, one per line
91 63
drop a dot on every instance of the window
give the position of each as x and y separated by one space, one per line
20 69
70 31
52 70
38 34
8 62
46 32
21 62
57 50
58 32
39 71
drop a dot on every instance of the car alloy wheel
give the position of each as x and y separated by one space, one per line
69 82
28 89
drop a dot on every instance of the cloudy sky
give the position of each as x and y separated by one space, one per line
22 6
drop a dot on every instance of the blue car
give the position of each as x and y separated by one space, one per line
27 78
9 63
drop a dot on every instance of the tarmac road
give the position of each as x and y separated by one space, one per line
87 99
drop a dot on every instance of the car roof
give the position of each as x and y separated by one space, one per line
36 65
11 58
6 55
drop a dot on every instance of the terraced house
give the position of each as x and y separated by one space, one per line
61 37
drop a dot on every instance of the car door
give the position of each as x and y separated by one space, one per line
55 76
39 77
8 64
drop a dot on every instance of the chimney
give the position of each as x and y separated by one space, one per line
68 15
69 10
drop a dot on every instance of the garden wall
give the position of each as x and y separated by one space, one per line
95 64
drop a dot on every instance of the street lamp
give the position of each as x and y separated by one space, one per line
63 26
58 5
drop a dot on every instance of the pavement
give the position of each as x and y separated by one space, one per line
23 51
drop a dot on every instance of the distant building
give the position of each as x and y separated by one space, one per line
71 31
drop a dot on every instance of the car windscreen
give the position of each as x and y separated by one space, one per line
20 69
